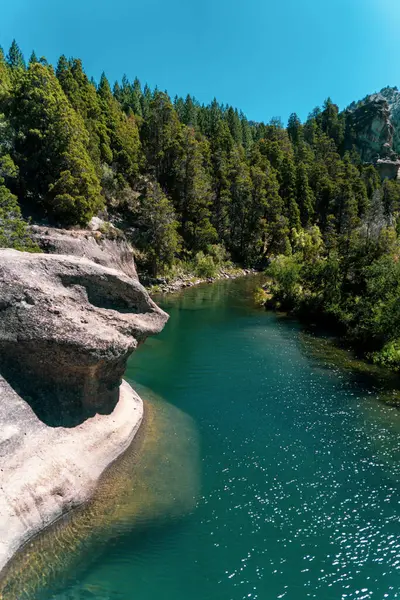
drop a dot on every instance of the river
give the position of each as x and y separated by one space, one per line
299 494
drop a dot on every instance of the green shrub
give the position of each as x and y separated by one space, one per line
13 229
204 265
389 356
219 254
285 272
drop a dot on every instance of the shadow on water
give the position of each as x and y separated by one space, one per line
149 489
327 352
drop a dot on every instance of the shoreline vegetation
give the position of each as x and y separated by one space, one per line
196 189
365 320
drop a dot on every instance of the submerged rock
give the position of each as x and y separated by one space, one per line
67 328
154 483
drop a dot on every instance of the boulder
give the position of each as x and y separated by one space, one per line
67 328
48 471
114 252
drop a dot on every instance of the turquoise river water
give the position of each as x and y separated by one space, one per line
299 493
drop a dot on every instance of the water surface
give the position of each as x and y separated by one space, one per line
300 467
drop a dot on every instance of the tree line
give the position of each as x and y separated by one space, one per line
187 181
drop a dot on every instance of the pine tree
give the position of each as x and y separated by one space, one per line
123 133
83 97
247 136
221 147
33 58
192 194
125 95
145 101
56 172
157 229
4 79
15 58
331 123
117 92
137 98
241 197
305 196
234 124
288 192
277 238
162 139
294 129
189 114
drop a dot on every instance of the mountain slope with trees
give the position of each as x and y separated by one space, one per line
190 183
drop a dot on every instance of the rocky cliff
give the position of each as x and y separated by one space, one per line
374 125
67 328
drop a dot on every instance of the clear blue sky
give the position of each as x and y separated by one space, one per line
267 57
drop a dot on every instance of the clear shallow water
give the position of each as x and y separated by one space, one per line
300 468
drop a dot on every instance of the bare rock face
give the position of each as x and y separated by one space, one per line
48 471
67 328
373 128
374 125
92 244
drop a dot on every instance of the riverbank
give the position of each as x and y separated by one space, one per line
188 280
367 353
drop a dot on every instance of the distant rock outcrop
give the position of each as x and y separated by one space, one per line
373 125
372 128
67 328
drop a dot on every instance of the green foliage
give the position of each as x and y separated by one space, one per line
389 356
220 255
285 271
15 58
158 235
4 79
56 172
204 265
13 229
194 185
192 192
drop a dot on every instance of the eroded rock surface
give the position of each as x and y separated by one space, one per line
48 471
91 244
371 122
67 328
375 123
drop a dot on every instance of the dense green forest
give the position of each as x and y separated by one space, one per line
191 184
